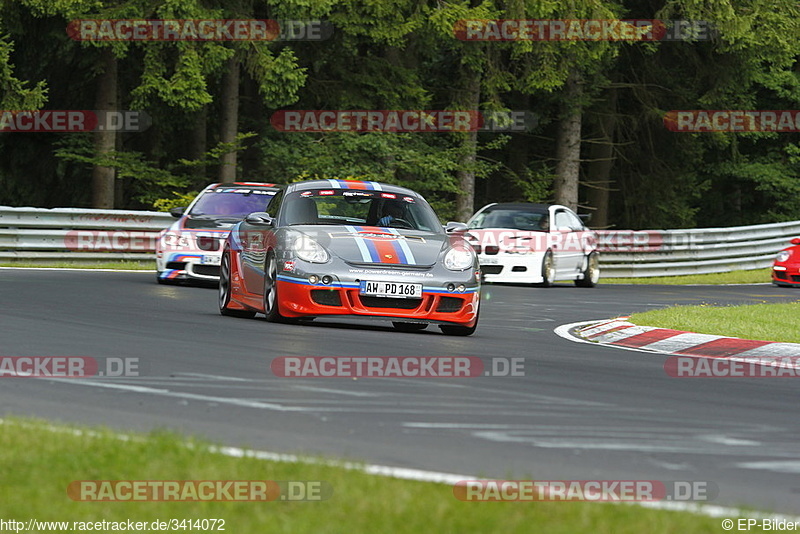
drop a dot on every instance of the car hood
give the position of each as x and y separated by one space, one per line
509 239
360 245
208 223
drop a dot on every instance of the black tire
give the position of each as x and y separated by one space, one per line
548 270
270 298
591 274
224 292
409 327
453 330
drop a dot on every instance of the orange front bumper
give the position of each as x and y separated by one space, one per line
302 300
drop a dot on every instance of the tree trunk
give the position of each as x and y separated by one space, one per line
105 140
253 110
568 143
230 118
602 161
465 199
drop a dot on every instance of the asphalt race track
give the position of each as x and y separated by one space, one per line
580 412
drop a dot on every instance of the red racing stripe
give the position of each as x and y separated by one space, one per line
645 338
386 251
726 346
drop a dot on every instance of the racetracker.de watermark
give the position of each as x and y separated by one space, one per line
582 30
585 490
402 121
113 240
73 121
67 367
395 367
701 121
766 367
524 241
199 490
199 30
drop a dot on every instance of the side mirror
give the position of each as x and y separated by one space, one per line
260 218
454 227
177 212
795 241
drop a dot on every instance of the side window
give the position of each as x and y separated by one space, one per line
563 219
275 204
575 222
477 222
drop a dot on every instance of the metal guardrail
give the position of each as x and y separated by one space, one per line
647 253
79 234
96 235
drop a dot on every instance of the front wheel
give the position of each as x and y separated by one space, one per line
271 290
591 272
225 290
548 269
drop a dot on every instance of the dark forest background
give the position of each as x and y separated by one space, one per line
600 144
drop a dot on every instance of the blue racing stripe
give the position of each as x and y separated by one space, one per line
406 255
304 282
373 251
362 247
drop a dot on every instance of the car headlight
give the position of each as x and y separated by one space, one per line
783 255
459 258
176 240
309 250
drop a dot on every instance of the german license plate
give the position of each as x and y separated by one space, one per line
391 289
209 259
488 261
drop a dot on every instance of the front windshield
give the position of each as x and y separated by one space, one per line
367 208
231 202
530 220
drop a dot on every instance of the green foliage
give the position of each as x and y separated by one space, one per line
177 200
278 77
423 162
15 94
186 86
151 180
214 155
402 54
134 165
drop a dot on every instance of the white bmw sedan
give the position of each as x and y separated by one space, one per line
534 243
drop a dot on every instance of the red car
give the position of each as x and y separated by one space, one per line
786 269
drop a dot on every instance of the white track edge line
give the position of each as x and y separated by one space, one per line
437 477
78 269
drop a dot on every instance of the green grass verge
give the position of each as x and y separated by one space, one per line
123 265
39 464
755 276
767 322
